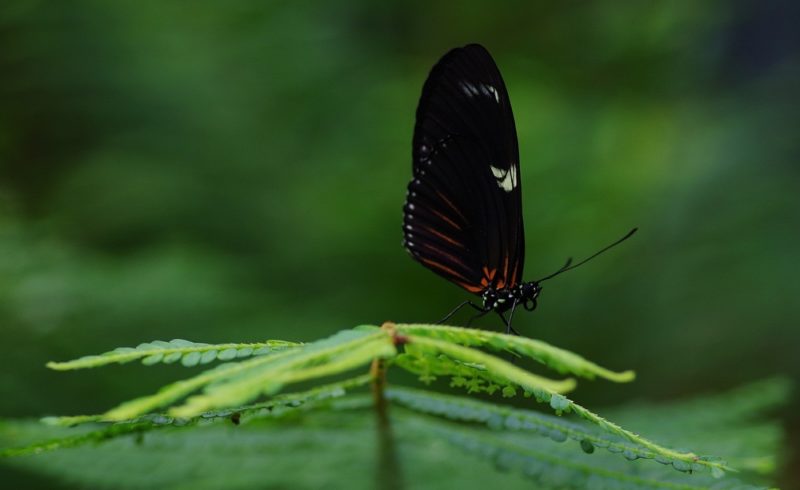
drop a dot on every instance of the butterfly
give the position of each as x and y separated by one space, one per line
463 209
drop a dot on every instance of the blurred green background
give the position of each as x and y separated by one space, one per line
235 171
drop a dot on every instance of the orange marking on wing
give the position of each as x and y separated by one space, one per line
443 236
450 257
514 276
450 204
501 281
470 287
444 268
488 276
451 222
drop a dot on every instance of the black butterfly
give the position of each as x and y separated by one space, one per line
463 211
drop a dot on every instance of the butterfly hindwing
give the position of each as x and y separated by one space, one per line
463 215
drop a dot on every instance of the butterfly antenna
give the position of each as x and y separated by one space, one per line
563 267
567 267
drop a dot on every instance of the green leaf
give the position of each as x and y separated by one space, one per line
169 352
328 424
555 428
227 354
561 360
240 382
498 367
229 391
290 402
332 356
191 359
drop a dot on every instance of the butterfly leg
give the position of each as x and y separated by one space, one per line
455 310
511 317
481 312
509 328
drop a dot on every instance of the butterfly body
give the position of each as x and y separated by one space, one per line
502 300
463 213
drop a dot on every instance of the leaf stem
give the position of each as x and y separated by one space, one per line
377 373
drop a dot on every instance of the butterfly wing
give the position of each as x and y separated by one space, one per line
463 212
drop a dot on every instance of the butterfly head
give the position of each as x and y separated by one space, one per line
529 291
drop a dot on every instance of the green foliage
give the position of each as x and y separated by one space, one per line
188 353
497 416
238 383
561 360
328 448
729 423
551 469
545 390
422 349
555 428
236 173
277 406
339 353
273 447
517 440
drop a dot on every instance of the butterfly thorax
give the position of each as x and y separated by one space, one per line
502 300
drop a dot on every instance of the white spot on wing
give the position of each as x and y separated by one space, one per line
468 89
494 91
506 179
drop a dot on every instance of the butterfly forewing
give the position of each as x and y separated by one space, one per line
463 216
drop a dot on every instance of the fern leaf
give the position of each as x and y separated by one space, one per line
175 391
681 461
551 469
502 417
511 448
75 440
315 449
287 402
331 390
721 423
189 353
561 360
294 400
544 392
429 352
333 359
495 365
241 380
475 378
71 420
